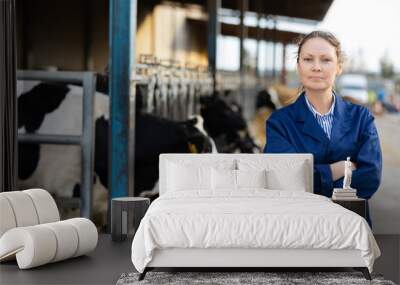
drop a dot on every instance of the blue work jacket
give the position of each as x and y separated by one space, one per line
294 129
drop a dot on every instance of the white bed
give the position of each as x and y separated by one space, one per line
206 220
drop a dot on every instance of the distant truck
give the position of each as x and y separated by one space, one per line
353 87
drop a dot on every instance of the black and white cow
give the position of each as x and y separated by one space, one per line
54 109
264 99
154 135
223 120
226 125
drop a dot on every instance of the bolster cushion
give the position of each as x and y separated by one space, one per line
26 208
40 244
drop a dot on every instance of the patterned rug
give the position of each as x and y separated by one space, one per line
243 278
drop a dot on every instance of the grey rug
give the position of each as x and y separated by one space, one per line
228 278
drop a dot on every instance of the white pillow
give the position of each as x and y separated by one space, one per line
193 174
282 174
204 161
281 180
226 179
251 178
223 179
188 177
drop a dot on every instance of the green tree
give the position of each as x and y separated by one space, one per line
387 69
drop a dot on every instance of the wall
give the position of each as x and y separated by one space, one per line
52 34
166 33
73 34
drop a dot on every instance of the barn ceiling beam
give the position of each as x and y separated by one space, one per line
313 10
262 34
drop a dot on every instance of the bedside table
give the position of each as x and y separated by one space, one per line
357 205
126 214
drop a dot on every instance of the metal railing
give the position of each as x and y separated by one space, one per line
85 140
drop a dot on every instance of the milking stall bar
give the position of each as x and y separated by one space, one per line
85 140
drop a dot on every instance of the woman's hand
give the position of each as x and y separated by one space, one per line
337 169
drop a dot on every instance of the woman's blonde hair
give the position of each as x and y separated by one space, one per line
329 37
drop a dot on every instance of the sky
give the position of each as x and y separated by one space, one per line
367 29
369 26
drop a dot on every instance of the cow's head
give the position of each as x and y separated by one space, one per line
198 141
226 125
264 99
220 118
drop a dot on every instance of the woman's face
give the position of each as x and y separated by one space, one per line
318 65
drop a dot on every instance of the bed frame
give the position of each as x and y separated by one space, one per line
248 259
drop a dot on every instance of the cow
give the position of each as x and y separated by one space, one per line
154 135
45 103
264 100
225 123
222 116
50 108
264 107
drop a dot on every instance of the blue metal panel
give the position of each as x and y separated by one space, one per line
213 31
244 5
132 97
120 66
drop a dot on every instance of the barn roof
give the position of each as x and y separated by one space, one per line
304 9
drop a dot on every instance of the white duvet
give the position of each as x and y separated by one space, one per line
254 218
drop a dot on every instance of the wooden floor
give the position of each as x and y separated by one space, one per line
110 260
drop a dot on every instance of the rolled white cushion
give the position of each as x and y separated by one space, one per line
66 238
87 235
7 218
41 244
23 208
45 205
33 246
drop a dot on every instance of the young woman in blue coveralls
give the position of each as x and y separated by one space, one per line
322 123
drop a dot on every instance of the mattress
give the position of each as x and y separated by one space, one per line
251 219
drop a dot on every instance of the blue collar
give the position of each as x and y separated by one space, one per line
341 121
